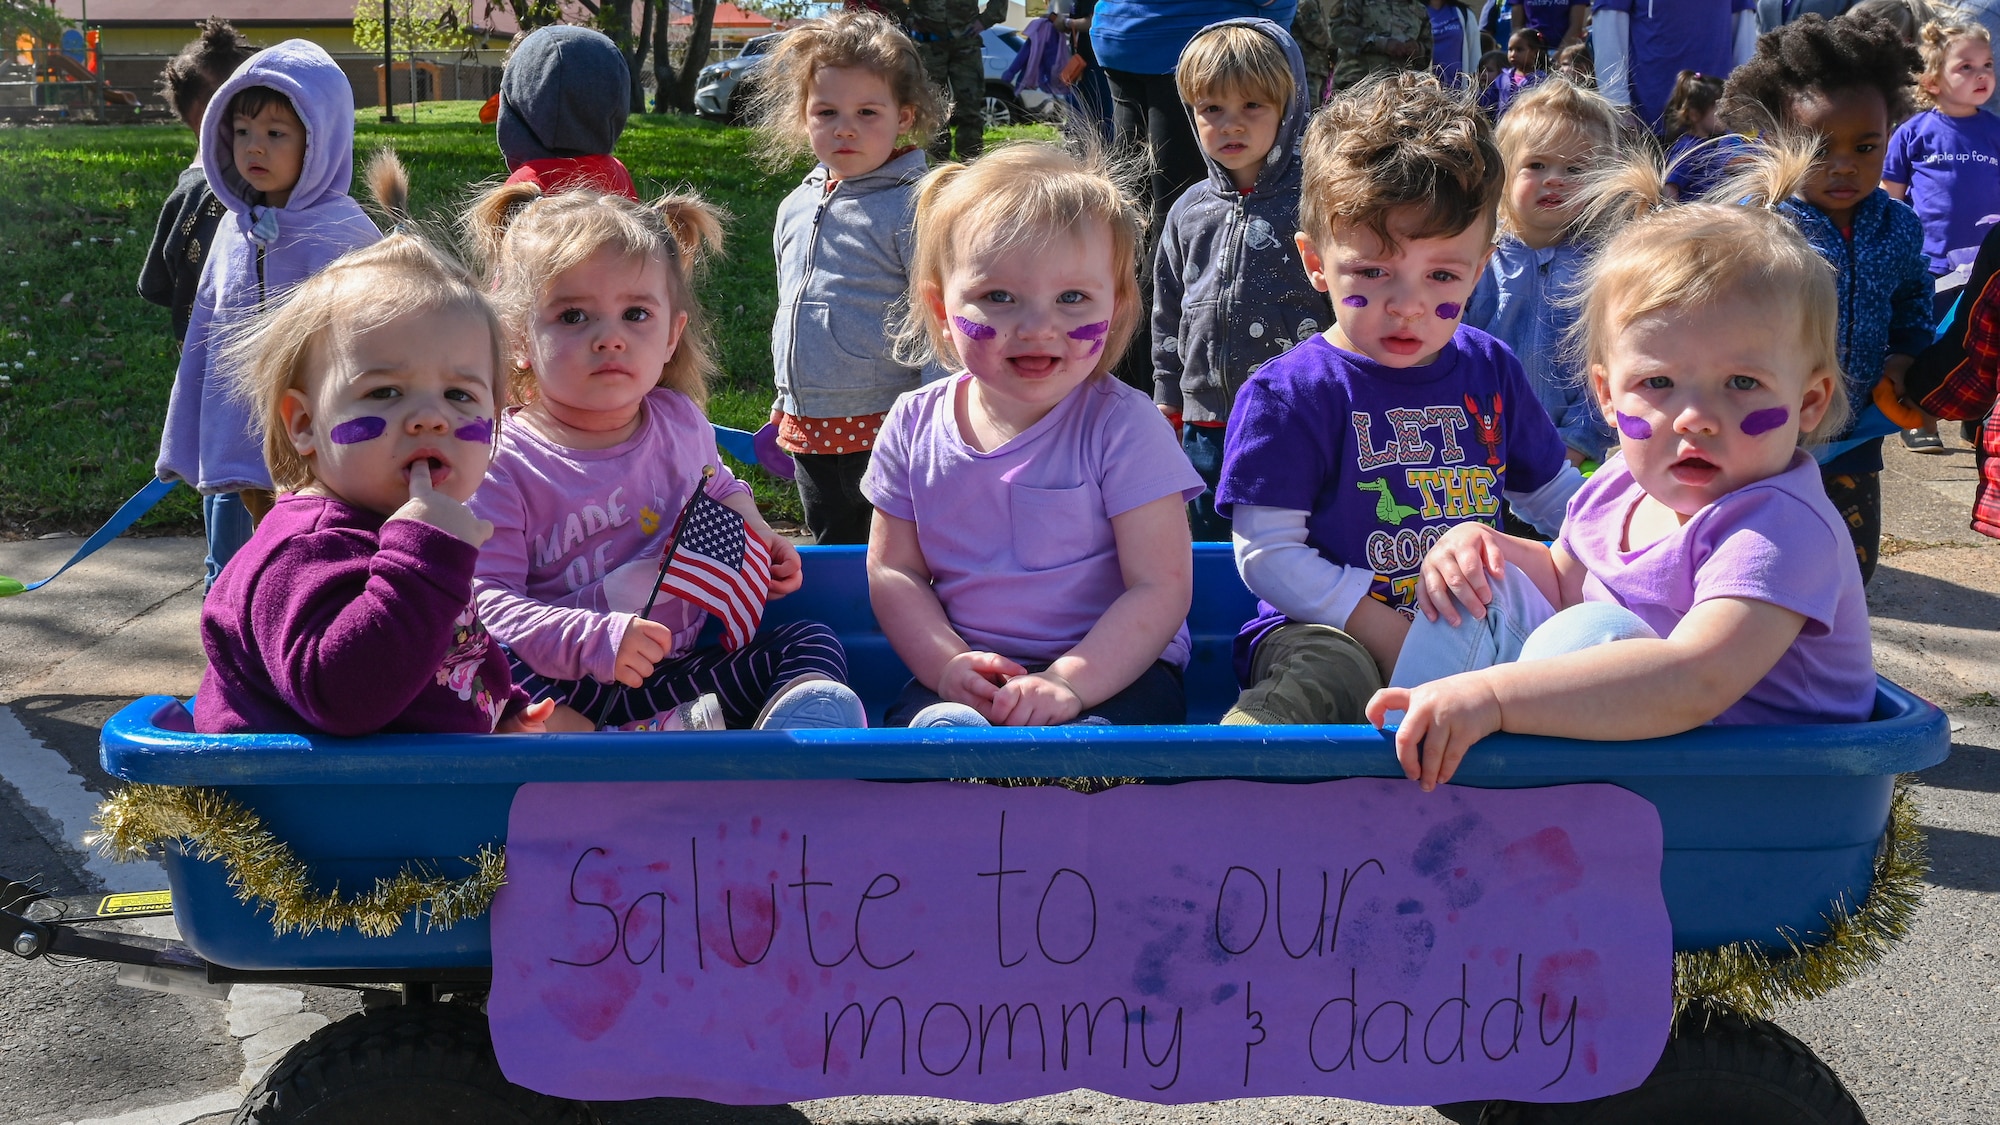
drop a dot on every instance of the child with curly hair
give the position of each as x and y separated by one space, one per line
1845 82
849 89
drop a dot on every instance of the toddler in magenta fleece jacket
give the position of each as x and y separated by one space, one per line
350 610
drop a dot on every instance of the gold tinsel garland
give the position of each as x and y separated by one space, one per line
262 868
1740 977
1743 978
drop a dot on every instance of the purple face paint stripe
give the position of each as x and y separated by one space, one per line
973 329
1636 428
479 430
1764 421
1449 311
1091 331
1354 301
357 429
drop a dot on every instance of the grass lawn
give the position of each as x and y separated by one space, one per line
88 364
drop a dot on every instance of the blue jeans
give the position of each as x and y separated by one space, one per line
228 523
1203 446
1520 624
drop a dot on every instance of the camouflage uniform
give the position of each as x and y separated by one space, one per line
1310 32
1360 28
948 40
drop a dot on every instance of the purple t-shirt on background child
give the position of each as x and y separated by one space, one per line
1500 93
1778 540
1384 459
565 518
332 620
1695 164
1952 168
1550 17
1018 540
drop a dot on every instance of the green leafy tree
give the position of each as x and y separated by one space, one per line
35 17
419 25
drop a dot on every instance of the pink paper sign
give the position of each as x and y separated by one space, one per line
775 941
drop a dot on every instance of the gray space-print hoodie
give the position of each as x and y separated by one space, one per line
1229 290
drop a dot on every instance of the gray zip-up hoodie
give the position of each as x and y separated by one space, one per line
1229 290
843 259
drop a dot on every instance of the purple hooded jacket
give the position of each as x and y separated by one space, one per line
211 441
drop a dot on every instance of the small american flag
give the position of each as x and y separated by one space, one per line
720 567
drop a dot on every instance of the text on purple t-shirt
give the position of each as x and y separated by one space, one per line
1951 166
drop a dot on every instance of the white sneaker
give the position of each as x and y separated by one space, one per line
704 713
813 702
943 714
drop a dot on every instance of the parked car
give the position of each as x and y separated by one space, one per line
717 89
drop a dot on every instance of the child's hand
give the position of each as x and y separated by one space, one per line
1042 699
426 505
1455 572
973 678
787 569
645 644
1441 721
1895 369
532 719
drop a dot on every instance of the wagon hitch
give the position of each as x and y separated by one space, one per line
34 923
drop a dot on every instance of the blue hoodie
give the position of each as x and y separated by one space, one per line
211 439
1229 289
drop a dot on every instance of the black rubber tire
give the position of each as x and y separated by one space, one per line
419 1064
1718 1069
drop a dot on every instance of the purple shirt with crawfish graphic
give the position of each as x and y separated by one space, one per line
1385 459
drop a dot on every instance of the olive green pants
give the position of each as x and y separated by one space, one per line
1307 674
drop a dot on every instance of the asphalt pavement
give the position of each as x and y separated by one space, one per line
1914 1039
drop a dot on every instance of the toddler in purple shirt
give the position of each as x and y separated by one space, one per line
1703 567
1030 560
605 451
350 610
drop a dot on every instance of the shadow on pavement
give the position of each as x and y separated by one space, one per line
1971 769
1967 861
1902 595
69 725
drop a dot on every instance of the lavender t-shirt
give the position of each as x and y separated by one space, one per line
563 519
1018 540
1952 168
1778 541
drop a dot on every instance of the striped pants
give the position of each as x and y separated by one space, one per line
744 680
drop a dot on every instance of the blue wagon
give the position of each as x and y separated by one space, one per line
1769 833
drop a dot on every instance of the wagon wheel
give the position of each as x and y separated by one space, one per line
1718 1069
417 1064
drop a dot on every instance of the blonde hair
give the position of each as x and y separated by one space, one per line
1022 194
1557 113
1400 143
1706 255
860 39
277 350
1235 59
526 239
1934 42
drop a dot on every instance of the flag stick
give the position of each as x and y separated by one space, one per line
666 560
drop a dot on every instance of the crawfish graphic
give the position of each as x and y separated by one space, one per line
1488 426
